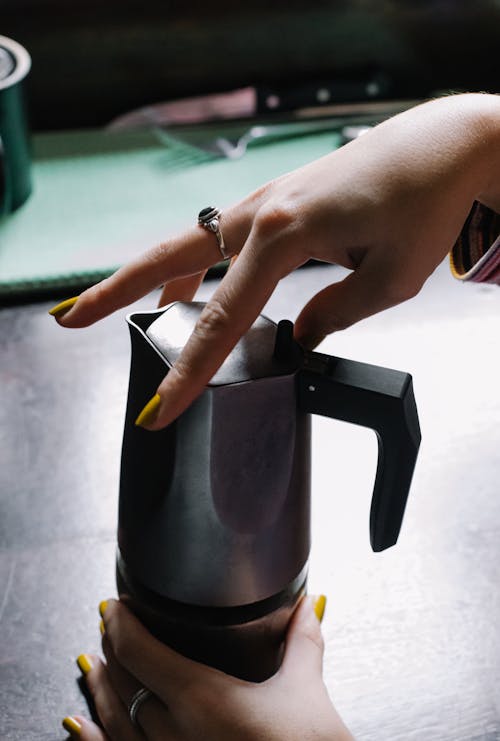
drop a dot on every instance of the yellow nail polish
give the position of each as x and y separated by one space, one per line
102 607
63 306
84 662
319 607
72 726
149 412
101 627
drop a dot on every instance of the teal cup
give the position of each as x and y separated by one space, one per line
15 160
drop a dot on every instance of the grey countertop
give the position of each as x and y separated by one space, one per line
412 636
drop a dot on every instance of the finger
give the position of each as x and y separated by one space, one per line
79 727
186 255
179 258
182 289
123 682
154 665
304 645
152 716
111 711
230 312
374 286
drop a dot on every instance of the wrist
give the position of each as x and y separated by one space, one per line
488 116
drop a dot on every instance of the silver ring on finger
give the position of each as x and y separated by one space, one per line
208 218
135 703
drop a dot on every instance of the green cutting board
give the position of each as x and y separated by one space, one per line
101 198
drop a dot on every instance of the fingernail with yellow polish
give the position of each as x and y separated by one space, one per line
101 627
84 663
102 607
63 307
319 605
148 414
73 727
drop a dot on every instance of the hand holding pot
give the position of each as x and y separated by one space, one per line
190 701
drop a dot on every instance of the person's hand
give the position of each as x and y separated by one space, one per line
193 702
389 206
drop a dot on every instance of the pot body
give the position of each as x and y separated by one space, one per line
245 641
214 516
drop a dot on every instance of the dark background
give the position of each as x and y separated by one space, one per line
94 60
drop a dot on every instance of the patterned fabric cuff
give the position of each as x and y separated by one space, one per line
476 254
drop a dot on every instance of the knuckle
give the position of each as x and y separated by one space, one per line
106 714
109 718
181 370
312 633
398 290
100 291
106 648
202 697
116 640
276 218
105 710
264 192
92 683
156 254
259 194
213 320
119 646
337 322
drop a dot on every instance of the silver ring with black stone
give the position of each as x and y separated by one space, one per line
208 218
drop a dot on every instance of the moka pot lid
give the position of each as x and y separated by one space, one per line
251 358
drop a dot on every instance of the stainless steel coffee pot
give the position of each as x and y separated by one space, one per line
214 515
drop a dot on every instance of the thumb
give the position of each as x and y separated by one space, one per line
369 289
304 645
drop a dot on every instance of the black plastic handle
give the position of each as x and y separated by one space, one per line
366 395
